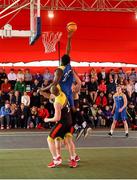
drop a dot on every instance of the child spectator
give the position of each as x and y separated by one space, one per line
33 119
5 115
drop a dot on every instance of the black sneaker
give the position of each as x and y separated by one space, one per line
110 134
79 134
126 134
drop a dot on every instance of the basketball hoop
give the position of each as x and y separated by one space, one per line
50 40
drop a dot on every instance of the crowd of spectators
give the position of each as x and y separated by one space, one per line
97 93
21 106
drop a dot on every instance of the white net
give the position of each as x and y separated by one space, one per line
50 40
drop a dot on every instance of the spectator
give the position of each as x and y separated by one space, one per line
3 75
111 74
27 77
111 87
116 78
25 99
22 116
35 99
108 116
133 75
121 74
20 75
2 99
33 119
49 106
86 78
47 75
45 83
39 78
92 89
102 75
83 90
131 114
13 116
102 87
12 77
15 97
5 115
93 74
94 111
101 101
35 85
20 86
135 93
110 100
42 113
6 88
130 89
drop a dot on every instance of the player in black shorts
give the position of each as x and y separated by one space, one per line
63 128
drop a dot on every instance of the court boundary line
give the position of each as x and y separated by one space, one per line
42 134
78 148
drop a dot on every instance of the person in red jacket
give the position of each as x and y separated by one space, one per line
101 100
102 87
42 113
6 88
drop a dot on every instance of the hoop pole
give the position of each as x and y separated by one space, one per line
59 51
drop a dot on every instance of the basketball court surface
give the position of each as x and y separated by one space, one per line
25 154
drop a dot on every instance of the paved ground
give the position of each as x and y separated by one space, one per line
37 139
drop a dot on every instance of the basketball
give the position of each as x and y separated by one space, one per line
71 27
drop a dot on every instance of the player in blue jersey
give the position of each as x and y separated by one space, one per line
119 110
63 79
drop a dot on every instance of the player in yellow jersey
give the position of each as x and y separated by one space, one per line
63 128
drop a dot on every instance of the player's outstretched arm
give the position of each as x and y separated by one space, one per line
57 77
68 47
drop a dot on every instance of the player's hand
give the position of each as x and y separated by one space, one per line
46 120
121 109
112 112
38 90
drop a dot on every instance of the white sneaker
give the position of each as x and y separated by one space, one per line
8 127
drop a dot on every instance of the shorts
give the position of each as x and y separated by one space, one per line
63 126
60 130
120 116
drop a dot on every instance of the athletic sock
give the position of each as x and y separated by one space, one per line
126 132
73 157
111 131
55 157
